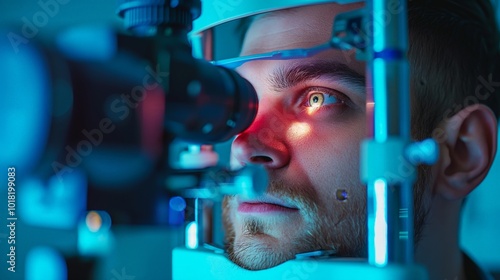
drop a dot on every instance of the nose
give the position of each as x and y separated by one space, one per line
262 143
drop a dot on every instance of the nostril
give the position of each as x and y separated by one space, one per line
260 159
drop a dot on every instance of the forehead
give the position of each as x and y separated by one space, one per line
300 27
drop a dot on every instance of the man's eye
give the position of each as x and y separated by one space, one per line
316 99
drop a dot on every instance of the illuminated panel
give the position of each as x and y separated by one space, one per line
380 98
191 235
380 222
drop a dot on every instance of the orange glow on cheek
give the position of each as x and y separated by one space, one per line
298 130
311 110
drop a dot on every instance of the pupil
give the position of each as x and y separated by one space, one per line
315 99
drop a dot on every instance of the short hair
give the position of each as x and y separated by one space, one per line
453 57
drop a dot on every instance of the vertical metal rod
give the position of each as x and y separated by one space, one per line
390 195
217 229
198 218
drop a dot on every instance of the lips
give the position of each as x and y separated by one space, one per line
265 204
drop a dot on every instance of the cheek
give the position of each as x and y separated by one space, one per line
331 160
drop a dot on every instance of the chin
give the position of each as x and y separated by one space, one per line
259 252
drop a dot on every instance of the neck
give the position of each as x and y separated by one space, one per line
438 249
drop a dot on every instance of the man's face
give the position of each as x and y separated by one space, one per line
307 132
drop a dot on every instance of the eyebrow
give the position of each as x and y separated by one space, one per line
289 76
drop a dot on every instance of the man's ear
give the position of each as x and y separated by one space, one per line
467 151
